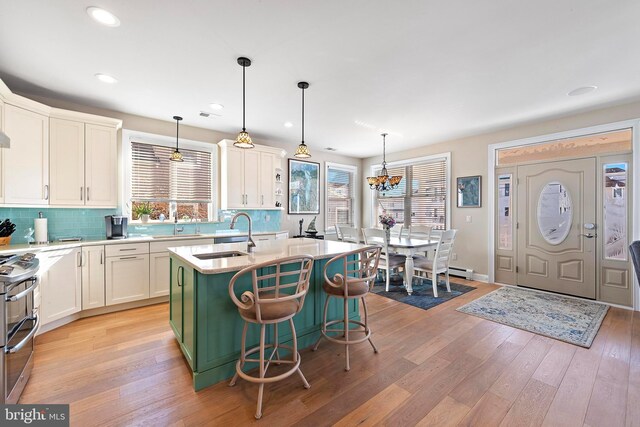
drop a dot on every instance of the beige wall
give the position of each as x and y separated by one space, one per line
469 157
166 128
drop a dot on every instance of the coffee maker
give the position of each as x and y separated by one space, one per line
116 226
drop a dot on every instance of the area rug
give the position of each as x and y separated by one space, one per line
567 319
422 295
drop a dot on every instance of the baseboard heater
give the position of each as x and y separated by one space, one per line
467 273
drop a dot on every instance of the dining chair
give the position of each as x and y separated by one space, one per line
634 248
440 263
277 290
350 234
420 231
388 260
338 232
357 275
400 230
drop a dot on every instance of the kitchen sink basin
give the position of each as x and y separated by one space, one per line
218 255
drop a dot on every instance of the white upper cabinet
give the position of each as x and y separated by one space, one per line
26 164
57 157
66 162
101 166
247 176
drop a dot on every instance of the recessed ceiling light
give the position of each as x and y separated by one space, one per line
582 90
103 17
288 124
105 78
216 106
331 149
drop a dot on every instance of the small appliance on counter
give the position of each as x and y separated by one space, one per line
116 226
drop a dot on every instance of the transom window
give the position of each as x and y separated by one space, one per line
422 197
170 188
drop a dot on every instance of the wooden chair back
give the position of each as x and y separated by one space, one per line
350 234
444 249
420 231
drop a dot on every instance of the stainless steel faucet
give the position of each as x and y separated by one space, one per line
250 243
176 229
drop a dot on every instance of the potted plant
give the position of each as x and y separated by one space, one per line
142 210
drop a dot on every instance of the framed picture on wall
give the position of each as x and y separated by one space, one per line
469 191
304 187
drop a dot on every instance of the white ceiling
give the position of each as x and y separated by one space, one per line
426 71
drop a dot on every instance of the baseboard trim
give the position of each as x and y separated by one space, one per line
481 277
98 311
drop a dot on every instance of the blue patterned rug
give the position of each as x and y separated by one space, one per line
571 320
422 295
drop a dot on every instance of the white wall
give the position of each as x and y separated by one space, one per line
167 128
469 157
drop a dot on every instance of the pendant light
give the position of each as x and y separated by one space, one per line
383 182
176 156
243 140
302 151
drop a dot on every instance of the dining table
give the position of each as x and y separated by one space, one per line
409 247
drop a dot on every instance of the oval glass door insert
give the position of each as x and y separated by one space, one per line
555 213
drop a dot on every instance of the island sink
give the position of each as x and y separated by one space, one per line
218 255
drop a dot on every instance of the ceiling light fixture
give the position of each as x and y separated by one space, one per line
103 17
302 151
582 90
243 139
216 106
288 124
383 182
176 156
105 78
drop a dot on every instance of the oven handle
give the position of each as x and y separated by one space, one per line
18 347
20 295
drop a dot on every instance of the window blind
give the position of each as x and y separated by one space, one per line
421 196
340 194
154 178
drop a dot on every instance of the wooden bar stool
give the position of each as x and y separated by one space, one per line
278 292
359 270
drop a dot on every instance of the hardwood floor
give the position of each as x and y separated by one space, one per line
435 367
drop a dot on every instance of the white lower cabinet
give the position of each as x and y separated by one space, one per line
93 291
159 274
60 284
127 278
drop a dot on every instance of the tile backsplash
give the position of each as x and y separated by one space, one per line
89 223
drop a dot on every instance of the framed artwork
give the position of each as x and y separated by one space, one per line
304 187
469 191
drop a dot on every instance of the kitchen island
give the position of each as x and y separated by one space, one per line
205 321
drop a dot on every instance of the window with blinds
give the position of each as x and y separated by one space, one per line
340 196
170 187
421 197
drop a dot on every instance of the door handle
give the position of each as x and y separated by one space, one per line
46 192
589 235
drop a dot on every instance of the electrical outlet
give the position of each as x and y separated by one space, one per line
469 219
454 256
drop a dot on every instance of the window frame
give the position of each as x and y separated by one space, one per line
129 136
355 196
410 162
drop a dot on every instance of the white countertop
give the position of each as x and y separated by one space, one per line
265 251
24 247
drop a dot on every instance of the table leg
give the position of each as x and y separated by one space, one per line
408 268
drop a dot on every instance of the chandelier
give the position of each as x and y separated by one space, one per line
243 139
383 182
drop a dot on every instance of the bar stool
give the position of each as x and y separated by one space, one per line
278 292
359 270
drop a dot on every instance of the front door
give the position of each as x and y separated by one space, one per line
557 227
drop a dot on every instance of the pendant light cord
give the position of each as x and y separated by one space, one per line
384 150
303 115
244 67
177 133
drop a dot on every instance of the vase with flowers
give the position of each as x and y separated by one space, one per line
387 222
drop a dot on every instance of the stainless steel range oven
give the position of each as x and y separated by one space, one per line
18 323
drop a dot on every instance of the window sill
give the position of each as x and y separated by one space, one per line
167 222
